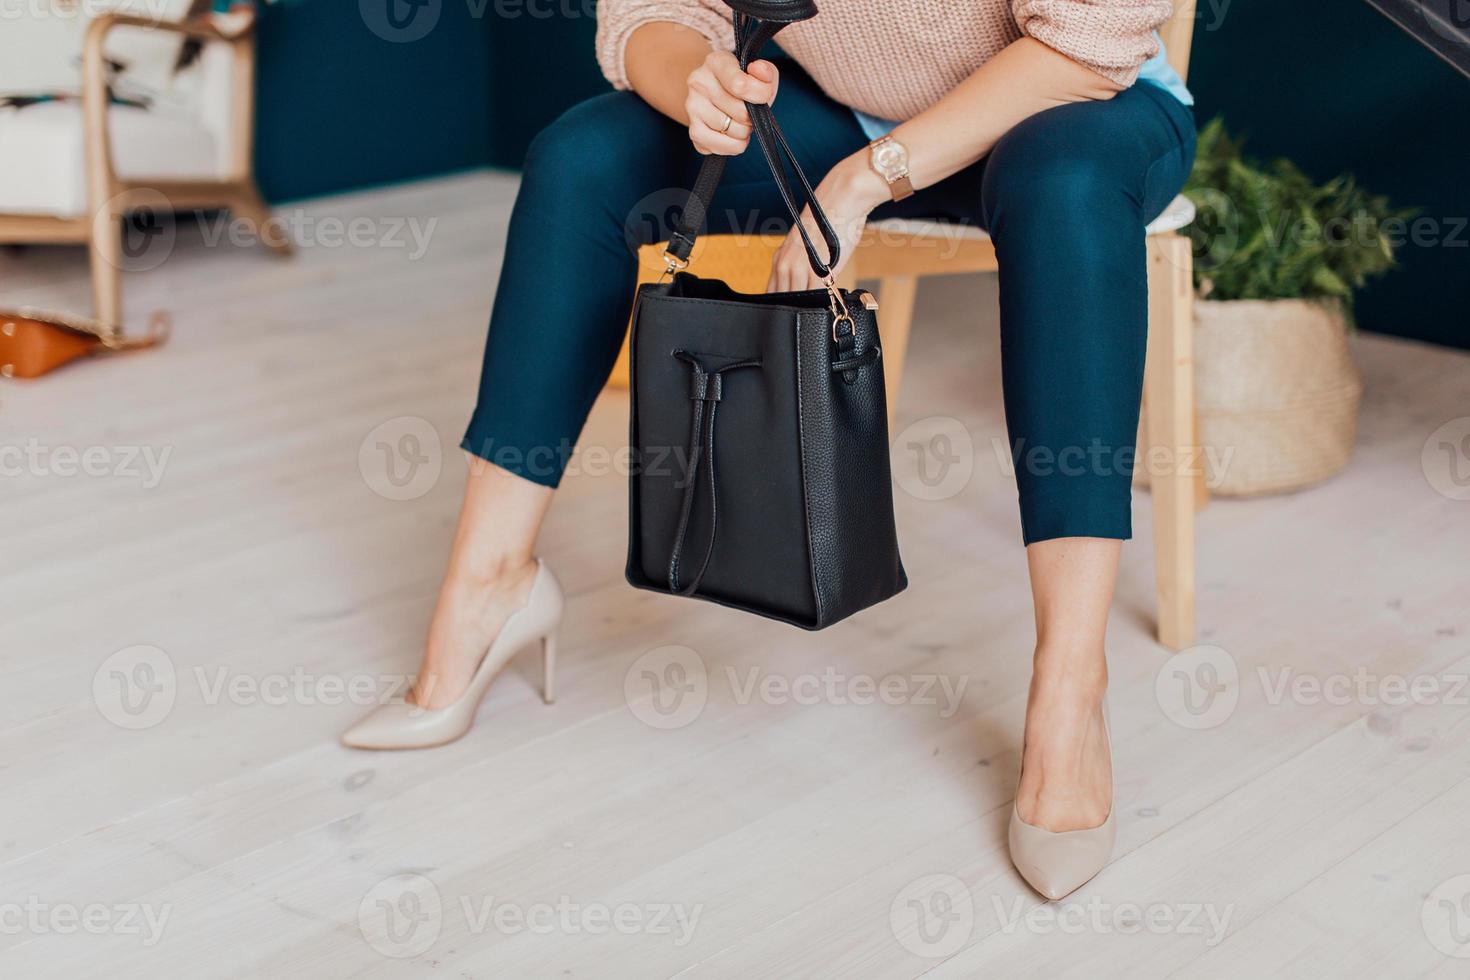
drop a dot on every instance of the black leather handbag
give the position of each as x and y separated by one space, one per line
784 506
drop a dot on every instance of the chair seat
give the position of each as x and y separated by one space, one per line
42 153
1179 213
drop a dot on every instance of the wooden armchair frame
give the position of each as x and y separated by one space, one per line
111 197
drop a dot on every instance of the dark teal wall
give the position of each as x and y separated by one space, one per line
538 67
1336 87
344 100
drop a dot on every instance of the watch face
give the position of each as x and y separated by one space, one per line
890 159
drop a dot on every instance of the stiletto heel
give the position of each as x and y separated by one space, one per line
548 668
1057 864
409 726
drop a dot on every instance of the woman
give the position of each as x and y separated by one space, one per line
1047 122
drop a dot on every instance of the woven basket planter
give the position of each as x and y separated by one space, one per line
1277 393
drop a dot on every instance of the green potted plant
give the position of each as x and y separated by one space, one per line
1276 260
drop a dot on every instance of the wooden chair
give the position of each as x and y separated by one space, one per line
82 165
899 252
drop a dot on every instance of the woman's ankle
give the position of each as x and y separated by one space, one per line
1081 669
482 574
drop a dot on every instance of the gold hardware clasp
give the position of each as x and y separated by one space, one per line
672 264
839 309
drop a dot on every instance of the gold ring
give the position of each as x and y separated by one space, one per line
728 120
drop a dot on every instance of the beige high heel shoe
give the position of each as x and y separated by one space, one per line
1057 864
402 725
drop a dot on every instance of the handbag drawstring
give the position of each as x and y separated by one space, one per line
706 389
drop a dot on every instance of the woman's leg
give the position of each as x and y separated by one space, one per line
1065 196
564 291
1066 770
597 183
491 569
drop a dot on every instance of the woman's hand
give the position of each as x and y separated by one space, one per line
718 91
847 194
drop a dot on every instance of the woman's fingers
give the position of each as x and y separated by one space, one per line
790 269
707 140
718 120
703 84
757 85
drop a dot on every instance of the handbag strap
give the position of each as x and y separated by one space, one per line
751 34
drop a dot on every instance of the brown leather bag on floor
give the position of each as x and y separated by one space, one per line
35 342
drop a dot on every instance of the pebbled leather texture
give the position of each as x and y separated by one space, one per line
784 507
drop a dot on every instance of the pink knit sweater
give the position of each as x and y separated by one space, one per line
895 58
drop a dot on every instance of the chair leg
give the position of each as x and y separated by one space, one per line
246 202
896 295
104 248
1169 382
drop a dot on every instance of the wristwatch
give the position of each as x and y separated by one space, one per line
890 159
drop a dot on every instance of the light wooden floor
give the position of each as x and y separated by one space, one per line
803 839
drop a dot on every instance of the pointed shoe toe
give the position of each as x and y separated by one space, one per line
1057 864
404 726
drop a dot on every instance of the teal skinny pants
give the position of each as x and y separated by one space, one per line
1065 196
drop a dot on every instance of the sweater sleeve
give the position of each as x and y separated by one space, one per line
1112 37
618 19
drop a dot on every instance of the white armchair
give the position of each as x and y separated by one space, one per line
71 168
